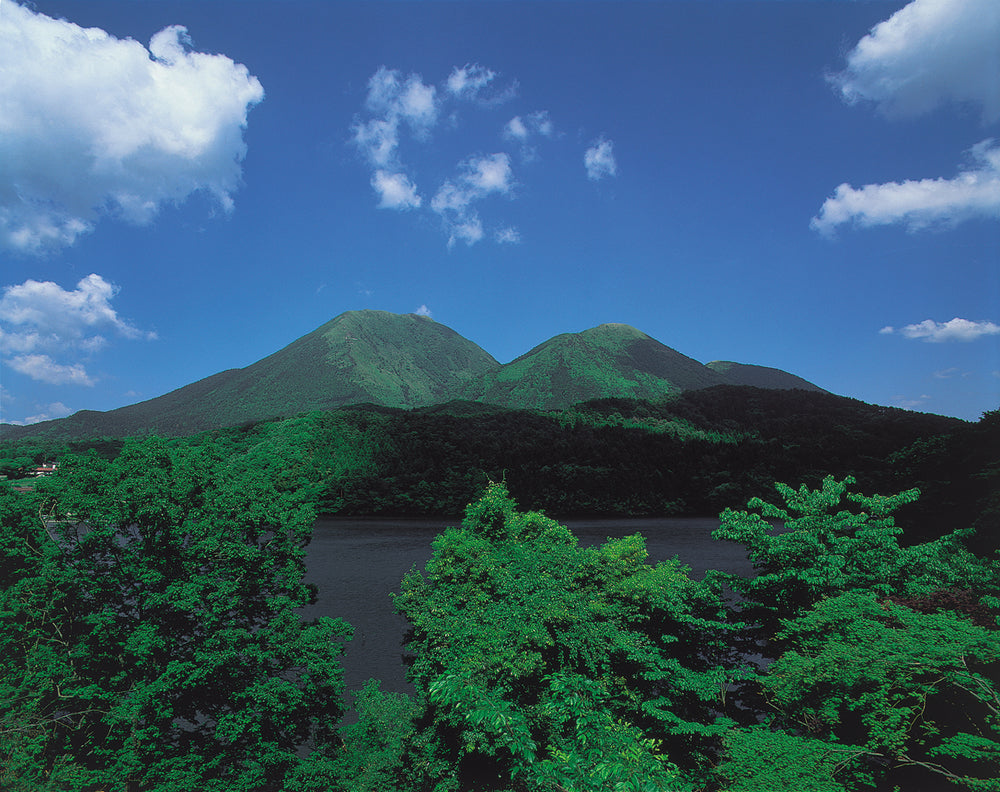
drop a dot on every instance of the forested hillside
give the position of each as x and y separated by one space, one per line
151 641
151 591
408 361
691 455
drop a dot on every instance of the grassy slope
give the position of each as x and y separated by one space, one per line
360 356
609 361
760 376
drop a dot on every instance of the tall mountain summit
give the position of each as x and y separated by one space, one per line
406 360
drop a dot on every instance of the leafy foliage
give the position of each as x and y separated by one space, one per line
917 690
872 683
543 664
150 637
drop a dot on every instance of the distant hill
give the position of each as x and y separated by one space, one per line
609 361
408 361
760 376
360 356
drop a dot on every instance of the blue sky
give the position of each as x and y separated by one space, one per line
188 187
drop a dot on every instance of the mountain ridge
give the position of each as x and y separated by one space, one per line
408 360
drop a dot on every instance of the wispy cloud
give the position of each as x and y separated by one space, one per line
908 403
973 193
508 236
47 412
39 319
523 127
467 82
938 332
394 100
395 190
97 126
479 177
929 53
44 369
599 160
395 105
951 373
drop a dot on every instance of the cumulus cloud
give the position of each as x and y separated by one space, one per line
523 127
394 100
469 230
478 178
93 125
973 193
44 369
938 332
39 319
929 53
599 160
401 109
396 191
423 310
468 81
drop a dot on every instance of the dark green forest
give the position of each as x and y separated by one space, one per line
150 593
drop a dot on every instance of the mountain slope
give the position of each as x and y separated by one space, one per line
761 376
411 361
609 361
360 356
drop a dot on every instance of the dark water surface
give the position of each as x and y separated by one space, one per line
356 563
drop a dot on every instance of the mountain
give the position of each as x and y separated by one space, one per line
360 356
761 376
412 361
609 361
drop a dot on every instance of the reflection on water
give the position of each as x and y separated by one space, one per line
356 563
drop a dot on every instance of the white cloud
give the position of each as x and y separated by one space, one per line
521 128
479 177
49 412
394 100
910 403
39 318
378 139
937 332
44 369
973 193
599 160
469 230
93 125
488 174
507 236
392 97
396 191
397 107
423 310
949 373
466 82
929 53
516 129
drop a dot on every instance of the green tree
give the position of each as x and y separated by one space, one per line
823 542
880 674
150 638
914 694
541 664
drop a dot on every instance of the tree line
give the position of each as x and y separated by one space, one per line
150 590
693 455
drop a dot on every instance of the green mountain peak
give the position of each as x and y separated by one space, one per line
409 360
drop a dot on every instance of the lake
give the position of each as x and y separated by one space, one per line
357 563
